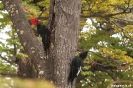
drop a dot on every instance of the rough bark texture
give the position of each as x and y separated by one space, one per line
64 24
65 18
27 38
26 69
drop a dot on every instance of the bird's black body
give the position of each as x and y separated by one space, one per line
44 32
76 65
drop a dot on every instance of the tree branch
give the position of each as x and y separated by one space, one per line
104 69
8 74
111 75
123 30
3 58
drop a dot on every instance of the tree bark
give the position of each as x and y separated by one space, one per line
27 38
64 20
26 69
64 24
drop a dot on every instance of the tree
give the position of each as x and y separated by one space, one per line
64 20
109 36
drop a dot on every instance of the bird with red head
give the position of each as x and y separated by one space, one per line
34 21
43 32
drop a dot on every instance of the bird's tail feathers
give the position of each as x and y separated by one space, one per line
70 79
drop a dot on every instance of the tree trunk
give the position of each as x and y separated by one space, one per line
64 24
26 69
27 38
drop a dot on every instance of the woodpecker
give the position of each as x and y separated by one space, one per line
43 31
76 66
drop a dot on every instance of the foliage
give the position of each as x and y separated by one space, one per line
6 68
109 37
7 82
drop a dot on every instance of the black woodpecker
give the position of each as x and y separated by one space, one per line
76 66
43 31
